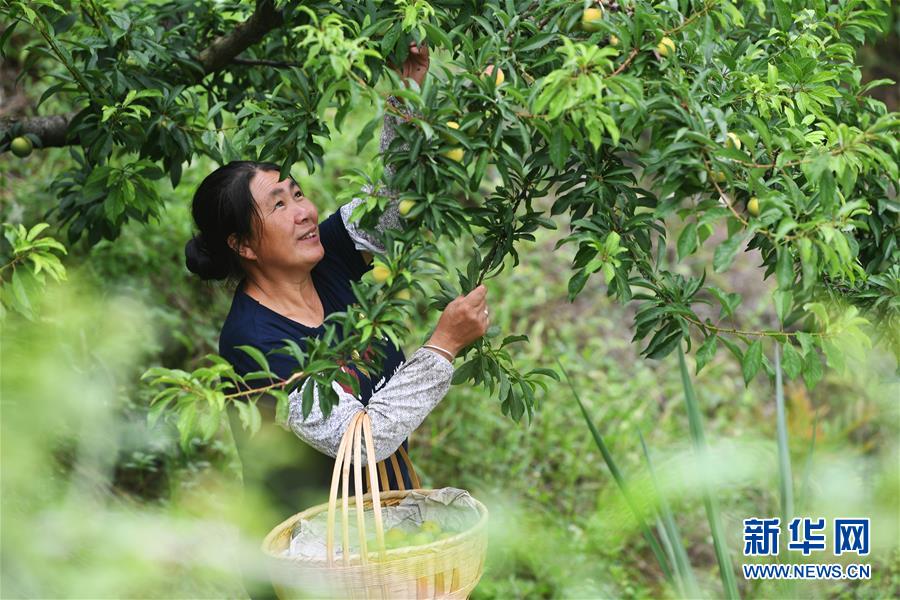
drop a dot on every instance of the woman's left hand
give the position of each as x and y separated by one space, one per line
415 66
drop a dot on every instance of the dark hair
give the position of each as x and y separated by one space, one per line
223 206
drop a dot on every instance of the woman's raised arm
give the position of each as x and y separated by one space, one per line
396 410
415 68
365 241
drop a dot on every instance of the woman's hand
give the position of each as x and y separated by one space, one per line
415 66
463 321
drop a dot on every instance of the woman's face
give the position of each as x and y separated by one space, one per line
287 236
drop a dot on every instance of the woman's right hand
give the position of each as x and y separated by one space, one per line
463 321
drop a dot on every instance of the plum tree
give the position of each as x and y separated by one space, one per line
589 128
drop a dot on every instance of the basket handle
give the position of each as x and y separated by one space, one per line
382 471
351 442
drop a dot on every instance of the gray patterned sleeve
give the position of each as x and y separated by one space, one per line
397 409
390 219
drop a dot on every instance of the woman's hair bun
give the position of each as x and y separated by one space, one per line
223 207
201 262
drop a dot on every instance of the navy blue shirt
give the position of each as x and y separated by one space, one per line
249 323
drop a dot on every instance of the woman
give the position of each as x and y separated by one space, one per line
293 273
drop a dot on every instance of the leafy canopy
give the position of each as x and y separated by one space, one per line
682 124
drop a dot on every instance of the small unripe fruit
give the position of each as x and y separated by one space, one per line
666 46
452 124
590 19
403 295
753 206
499 77
456 154
405 206
431 527
733 141
380 272
395 538
719 176
21 147
613 40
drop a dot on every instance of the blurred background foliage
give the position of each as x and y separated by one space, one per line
97 503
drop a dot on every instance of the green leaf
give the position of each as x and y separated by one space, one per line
187 417
835 355
210 419
465 372
609 272
438 37
257 356
545 372
727 250
812 369
792 361
752 361
282 406
559 147
536 41
706 352
784 268
687 241
23 303
784 302
36 231
729 301
308 396
576 284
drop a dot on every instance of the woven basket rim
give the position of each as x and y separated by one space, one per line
394 553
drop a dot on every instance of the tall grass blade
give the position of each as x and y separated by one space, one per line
682 563
726 572
670 554
784 452
803 501
620 481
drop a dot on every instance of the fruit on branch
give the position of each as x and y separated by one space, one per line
497 72
456 154
403 295
405 206
380 272
590 19
666 46
719 176
613 40
733 141
753 206
21 147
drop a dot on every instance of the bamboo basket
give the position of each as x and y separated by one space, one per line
447 568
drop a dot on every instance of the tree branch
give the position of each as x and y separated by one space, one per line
223 49
260 62
52 130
